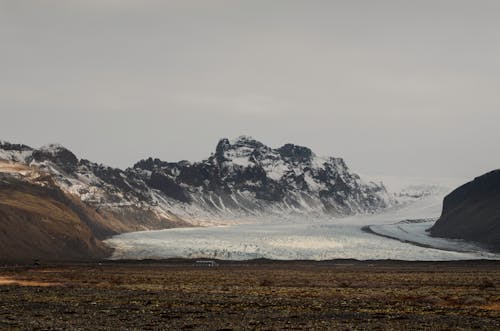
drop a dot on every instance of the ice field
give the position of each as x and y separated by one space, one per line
298 237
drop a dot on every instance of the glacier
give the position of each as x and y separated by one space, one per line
292 237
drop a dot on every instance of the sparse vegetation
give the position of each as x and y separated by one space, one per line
267 295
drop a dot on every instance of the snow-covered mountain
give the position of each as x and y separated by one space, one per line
242 178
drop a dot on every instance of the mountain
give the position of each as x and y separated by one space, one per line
243 178
111 191
246 177
38 221
472 212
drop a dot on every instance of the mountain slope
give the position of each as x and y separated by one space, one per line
41 222
472 212
38 220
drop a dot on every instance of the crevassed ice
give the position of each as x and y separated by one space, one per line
317 238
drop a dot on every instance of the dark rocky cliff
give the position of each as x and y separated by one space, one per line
472 212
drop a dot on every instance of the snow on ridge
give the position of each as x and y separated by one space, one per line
52 148
276 171
241 138
299 177
14 155
240 153
396 184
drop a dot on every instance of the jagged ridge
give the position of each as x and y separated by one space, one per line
243 177
246 175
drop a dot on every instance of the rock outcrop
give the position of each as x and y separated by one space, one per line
472 212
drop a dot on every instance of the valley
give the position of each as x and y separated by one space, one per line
245 201
308 238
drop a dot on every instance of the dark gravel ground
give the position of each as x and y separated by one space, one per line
266 295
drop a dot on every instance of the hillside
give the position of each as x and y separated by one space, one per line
38 222
472 212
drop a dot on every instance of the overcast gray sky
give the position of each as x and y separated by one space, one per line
395 87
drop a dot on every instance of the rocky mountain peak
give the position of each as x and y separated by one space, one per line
6 146
58 155
14 152
150 164
241 147
246 141
295 152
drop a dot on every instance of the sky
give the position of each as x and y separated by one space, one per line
406 88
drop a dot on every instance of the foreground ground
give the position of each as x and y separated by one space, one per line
255 295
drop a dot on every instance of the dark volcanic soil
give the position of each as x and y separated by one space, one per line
176 295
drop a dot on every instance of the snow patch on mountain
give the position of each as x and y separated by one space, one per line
243 179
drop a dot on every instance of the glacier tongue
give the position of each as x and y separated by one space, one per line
314 236
293 241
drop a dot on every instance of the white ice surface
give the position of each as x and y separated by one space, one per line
321 238
415 232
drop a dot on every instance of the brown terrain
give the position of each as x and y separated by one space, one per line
40 221
254 295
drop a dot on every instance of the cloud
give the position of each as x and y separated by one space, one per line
389 85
